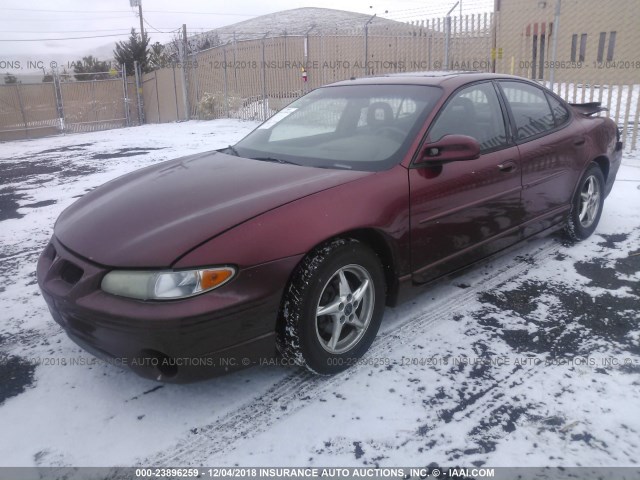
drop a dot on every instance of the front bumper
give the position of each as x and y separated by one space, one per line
173 341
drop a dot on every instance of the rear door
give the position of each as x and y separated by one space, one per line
467 210
551 149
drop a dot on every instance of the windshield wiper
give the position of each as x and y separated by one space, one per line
233 150
275 160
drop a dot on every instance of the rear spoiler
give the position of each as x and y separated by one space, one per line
589 109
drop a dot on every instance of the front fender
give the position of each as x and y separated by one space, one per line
379 202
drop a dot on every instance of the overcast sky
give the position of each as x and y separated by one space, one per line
110 20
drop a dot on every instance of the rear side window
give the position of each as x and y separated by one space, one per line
560 113
530 109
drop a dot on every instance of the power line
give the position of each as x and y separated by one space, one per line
159 30
112 30
430 10
152 27
67 19
67 38
467 3
125 11
35 10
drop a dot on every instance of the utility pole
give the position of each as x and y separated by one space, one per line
138 3
141 20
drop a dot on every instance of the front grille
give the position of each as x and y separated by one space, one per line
70 273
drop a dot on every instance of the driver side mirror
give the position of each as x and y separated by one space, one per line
450 148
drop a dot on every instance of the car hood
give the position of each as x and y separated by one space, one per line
151 217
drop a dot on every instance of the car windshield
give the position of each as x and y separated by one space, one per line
359 127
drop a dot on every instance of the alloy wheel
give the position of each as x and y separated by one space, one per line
589 201
345 309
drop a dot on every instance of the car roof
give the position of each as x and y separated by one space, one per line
446 79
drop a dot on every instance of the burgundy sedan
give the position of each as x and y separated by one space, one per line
294 239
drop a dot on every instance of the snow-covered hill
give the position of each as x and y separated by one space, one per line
297 21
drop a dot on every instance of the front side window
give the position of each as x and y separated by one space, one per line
360 127
474 111
530 109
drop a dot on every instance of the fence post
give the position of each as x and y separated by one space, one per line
139 93
185 59
24 117
226 81
430 41
447 34
265 109
554 47
193 75
366 43
57 89
495 18
155 77
235 67
93 101
366 47
305 88
175 93
127 114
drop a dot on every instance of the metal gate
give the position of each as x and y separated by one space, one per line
93 105
28 111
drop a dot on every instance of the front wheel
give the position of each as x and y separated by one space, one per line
333 307
586 207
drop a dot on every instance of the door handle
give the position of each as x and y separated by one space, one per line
508 166
579 141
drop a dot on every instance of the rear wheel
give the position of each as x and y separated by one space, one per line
586 207
333 306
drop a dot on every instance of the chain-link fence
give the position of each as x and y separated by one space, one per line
584 50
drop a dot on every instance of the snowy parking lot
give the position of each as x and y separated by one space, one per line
530 359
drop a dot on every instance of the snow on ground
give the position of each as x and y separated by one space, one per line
532 358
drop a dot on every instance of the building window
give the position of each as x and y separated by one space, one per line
542 48
534 57
583 47
603 38
574 46
612 46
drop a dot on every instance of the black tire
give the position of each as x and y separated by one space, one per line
583 219
307 338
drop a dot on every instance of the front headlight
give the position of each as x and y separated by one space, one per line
167 285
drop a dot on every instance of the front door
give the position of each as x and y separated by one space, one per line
464 211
